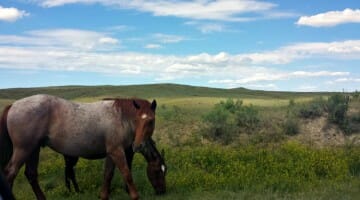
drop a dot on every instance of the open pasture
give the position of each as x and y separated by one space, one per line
199 169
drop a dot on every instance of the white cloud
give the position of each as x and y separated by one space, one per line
120 28
220 10
11 14
208 27
166 38
348 79
152 46
61 38
317 74
108 40
271 75
331 18
80 50
349 49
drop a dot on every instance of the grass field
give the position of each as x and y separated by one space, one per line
266 165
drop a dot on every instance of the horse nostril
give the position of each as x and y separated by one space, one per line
138 148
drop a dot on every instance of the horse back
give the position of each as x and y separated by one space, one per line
76 129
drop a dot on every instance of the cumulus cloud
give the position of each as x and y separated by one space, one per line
82 50
206 27
331 18
268 75
220 10
347 79
166 38
152 46
108 40
61 38
11 14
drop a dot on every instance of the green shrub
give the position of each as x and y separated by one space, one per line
220 125
356 94
228 118
230 105
247 118
291 123
313 109
337 107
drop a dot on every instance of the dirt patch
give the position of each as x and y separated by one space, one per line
319 132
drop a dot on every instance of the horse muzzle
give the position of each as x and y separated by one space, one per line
138 147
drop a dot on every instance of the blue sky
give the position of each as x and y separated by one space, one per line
286 45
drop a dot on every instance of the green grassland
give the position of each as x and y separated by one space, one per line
263 165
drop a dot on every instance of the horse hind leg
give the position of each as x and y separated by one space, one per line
12 168
70 163
31 174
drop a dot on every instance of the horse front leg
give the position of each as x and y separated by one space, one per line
108 175
119 158
129 153
31 174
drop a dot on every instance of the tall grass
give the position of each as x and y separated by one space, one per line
289 169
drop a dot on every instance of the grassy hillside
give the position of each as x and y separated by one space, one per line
148 91
263 163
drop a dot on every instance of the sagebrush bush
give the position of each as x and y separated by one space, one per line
313 109
291 124
337 107
220 125
229 118
247 118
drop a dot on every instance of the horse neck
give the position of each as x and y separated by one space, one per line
152 154
126 108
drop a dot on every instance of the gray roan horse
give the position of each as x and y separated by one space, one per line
90 130
156 169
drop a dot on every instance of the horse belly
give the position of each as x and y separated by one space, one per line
87 145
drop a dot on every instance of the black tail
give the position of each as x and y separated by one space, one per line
5 142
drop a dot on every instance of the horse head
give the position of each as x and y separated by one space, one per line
156 168
144 123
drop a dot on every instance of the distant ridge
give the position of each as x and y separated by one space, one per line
147 91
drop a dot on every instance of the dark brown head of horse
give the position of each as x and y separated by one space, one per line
156 169
144 123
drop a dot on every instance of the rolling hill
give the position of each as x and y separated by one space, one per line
149 91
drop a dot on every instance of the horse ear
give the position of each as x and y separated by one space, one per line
137 106
153 105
